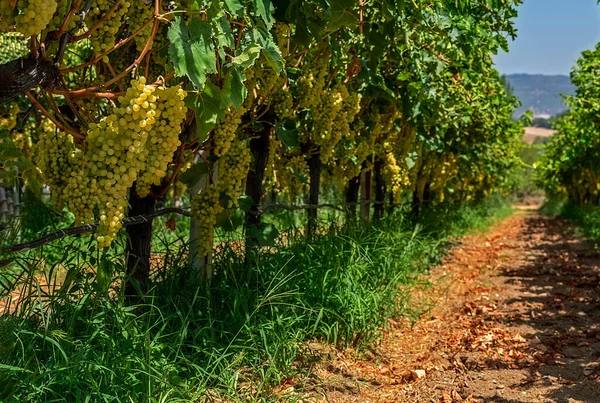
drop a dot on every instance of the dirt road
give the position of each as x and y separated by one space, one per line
515 318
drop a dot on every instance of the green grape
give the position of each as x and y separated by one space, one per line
57 158
8 116
135 142
283 103
163 139
7 16
34 16
282 35
205 207
138 14
104 38
233 170
291 170
62 10
224 132
12 46
262 81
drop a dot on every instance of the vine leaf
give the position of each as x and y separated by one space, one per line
342 14
209 107
193 174
287 133
191 49
264 9
265 234
235 7
248 57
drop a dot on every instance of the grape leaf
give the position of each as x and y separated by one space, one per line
191 49
209 109
193 174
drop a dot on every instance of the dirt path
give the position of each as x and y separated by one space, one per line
516 319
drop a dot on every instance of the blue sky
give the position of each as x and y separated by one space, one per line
551 35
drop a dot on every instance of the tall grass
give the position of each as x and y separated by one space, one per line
71 338
585 217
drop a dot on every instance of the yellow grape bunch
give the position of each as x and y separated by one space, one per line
62 10
163 140
233 170
262 81
12 46
205 209
135 142
8 116
138 14
225 131
283 103
291 171
30 17
104 38
57 158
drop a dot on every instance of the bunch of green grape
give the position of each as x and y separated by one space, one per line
205 209
12 46
233 170
34 16
57 158
104 38
163 139
291 173
137 15
225 131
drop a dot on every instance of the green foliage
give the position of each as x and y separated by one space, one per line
568 166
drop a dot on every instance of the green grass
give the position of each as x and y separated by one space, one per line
239 339
585 217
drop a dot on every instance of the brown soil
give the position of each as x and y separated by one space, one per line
515 318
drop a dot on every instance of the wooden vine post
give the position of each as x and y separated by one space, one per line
365 194
138 249
314 169
259 147
380 190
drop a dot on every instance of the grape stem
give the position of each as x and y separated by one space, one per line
62 127
65 24
99 57
66 36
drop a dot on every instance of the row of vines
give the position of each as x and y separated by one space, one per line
568 167
115 106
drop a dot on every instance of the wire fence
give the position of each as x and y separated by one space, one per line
184 211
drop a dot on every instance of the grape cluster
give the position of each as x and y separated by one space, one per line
137 14
283 104
282 35
233 169
104 37
261 81
311 83
7 16
8 116
34 16
135 142
164 137
57 158
62 10
205 208
12 46
295 167
224 133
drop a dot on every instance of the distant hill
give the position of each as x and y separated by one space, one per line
540 93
